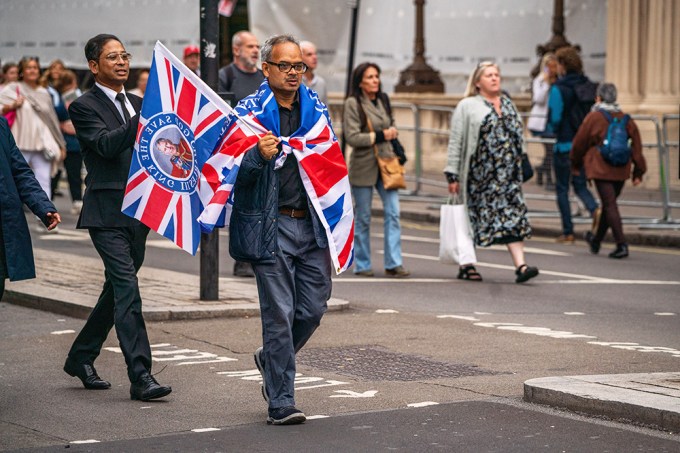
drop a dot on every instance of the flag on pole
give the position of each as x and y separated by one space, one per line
180 125
226 7
321 164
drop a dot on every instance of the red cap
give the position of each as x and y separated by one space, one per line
190 50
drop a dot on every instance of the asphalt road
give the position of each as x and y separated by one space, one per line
423 364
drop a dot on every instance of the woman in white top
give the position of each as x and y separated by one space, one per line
538 118
36 127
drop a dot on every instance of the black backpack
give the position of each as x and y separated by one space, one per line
615 148
584 98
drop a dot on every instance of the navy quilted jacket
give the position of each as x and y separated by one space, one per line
254 218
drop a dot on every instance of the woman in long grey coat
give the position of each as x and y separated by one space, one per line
368 124
484 167
18 186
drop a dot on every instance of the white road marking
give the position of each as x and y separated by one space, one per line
664 314
423 404
546 332
87 441
352 394
62 332
464 318
494 248
204 430
637 347
574 313
386 311
317 417
540 331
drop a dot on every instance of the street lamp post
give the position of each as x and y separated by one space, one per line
419 77
558 40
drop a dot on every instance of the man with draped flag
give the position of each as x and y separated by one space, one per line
291 212
181 123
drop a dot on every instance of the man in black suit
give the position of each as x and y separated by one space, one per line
106 122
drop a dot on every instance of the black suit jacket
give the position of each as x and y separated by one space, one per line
106 143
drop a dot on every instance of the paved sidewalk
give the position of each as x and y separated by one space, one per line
69 284
647 398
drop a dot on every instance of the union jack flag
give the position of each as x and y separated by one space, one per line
180 126
314 145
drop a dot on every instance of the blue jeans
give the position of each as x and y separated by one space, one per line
293 294
562 166
363 197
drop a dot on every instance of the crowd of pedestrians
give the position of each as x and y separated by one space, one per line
57 127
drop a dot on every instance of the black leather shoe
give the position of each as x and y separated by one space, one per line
87 374
592 243
620 252
147 388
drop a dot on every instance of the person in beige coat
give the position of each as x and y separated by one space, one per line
367 124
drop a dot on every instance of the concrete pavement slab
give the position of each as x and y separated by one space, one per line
647 398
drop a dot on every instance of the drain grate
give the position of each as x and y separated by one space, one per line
378 364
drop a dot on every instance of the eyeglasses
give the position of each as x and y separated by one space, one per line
113 57
283 66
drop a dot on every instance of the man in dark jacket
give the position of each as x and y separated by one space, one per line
106 122
275 227
18 186
571 97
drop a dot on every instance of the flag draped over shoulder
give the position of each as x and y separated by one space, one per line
180 126
320 161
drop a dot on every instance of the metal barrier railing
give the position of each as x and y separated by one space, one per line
662 145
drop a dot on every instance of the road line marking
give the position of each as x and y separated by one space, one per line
87 441
464 318
205 430
62 332
386 311
664 314
423 404
574 313
494 248
317 417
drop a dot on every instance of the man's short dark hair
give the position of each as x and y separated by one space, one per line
266 51
94 47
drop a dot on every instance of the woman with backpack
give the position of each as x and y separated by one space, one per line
608 145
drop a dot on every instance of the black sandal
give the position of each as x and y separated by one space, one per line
525 273
469 273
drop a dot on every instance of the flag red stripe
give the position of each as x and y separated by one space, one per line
159 199
179 221
133 183
186 102
171 88
344 255
206 122
325 170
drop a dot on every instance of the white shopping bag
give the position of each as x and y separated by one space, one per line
455 243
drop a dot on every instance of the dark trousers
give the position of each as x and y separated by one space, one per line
563 176
120 303
609 191
73 165
293 293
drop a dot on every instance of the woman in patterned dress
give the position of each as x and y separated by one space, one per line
484 158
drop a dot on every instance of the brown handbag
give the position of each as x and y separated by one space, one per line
391 171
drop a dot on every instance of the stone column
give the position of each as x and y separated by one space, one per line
661 86
626 37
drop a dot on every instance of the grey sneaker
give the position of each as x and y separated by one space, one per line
398 272
289 415
259 363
